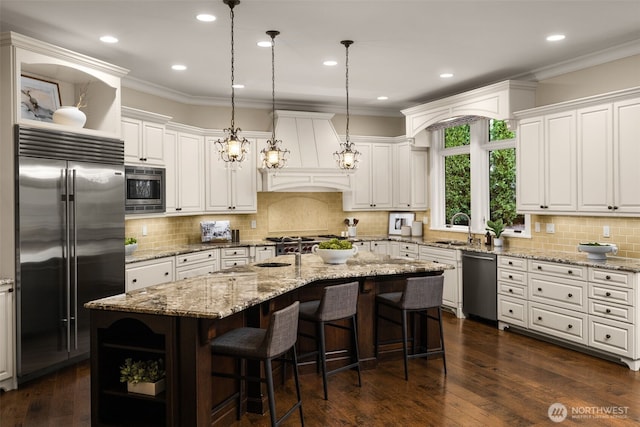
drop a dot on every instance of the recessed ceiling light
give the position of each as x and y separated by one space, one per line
264 43
555 37
178 67
205 17
108 39
446 75
382 98
330 63
238 86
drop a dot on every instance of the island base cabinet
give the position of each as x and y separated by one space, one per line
611 336
114 338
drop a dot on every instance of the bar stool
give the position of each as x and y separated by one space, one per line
338 302
263 345
419 295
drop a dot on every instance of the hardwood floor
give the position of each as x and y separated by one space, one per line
494 378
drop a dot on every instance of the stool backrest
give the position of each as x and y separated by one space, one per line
422 292
283 331
338 302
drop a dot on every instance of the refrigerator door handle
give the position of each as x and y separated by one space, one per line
73 296
66 253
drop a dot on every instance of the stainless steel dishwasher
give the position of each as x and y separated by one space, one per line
479 285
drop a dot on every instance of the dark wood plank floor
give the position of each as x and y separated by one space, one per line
494 378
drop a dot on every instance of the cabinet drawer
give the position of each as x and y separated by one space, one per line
194 270
561 270
409 248
512 310
611 294
565 324
611 278
623 313
428 253
512 263
238 252
557 291
147 273
511 289
196 257
611 336
362 246
512 276
232 262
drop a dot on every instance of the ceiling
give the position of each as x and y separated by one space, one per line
400 46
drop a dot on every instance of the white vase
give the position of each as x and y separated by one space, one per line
69 116
497 242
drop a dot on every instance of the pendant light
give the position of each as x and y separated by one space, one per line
347 158
233 148
272 156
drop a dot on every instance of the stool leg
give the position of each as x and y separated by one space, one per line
295 376
270 393
444 358
404 344
355 352
323 358
240 368
377 328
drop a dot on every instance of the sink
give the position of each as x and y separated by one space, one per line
273 264
451 242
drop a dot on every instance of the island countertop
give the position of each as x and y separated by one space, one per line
222 294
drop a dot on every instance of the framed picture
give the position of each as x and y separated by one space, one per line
38 98
398 219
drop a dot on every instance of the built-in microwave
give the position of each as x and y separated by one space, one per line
145 190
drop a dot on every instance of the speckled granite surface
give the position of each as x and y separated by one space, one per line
222 294
196 247
6 281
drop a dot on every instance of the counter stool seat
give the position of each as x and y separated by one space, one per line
338 302
420 294
264 345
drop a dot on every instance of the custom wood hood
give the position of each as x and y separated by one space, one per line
312 140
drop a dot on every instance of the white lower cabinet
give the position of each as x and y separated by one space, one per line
147 273
409 250
232 257
380 247
592 307
452 290
362 246
7 345
197 264
264 252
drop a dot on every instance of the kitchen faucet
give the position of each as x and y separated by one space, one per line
298 255
462 214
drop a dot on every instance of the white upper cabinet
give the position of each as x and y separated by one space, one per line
546 164
143 135
626 153
185 175
372 181
230 188
409 177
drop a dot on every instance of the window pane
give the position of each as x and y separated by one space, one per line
502 188
498 131
457 186
457 136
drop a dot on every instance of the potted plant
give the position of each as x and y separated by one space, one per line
496 227
130 245
143 376
335 251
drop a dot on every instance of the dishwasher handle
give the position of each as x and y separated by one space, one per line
484 258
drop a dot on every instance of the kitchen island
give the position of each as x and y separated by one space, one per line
176 321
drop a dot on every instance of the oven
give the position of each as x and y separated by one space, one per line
286 245
144 190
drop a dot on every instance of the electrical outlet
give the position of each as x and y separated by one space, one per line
144 230
551 228
606 231
425 220
537 227
253 223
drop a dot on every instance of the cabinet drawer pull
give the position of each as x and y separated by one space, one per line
539 267
608 310
610 207
510 311
510 290
184 260
510 276
166 273
569 272
10 290
607 294
607 337
134 280
510 262
539 317
210 255
607 277
570 295
569 326
539 289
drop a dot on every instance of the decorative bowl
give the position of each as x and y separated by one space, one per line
597 251
334 256
130 249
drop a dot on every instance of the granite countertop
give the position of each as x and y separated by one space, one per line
221 294
146 255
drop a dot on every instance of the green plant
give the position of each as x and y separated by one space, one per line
497 227
335 244
141 371
130 240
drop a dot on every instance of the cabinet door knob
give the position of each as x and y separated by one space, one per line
134 280
570 326
570 295
607 336
10 290
166 273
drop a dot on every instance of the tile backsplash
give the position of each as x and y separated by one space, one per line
321 213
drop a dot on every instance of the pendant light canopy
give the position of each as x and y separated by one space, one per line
233 148
273 157
347 157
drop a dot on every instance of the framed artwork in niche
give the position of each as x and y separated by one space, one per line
38 99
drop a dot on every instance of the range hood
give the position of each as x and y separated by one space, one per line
312 140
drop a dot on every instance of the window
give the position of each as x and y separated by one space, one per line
474 173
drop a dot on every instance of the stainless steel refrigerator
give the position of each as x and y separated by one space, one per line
70 242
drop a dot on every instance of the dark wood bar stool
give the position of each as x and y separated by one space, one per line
338 302
419 295
263 345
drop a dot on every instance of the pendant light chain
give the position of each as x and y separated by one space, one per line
347 89
347 157
273 85
233 90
